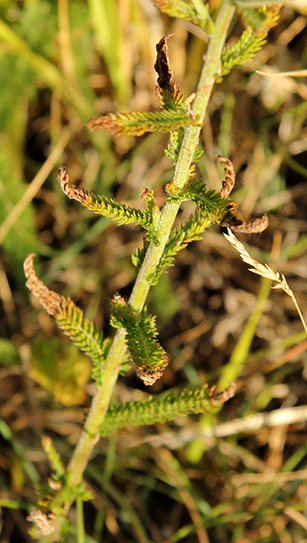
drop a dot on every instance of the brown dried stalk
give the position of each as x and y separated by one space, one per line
264 270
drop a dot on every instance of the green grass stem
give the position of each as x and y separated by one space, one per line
234 367
240 353
106 24
51 76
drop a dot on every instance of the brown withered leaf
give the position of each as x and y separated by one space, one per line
149 377
44 522
105 122
168 91
230 177
50 300
72 191
254 226
230 220
220 397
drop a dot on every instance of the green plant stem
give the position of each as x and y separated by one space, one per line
169 212
80 521
100 404
211 69
90 434
260 3
203 14
239 356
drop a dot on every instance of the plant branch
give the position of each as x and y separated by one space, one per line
211 69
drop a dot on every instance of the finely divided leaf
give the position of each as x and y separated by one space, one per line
68 316
166 406
184 9
145 351
102 205
137 123
258 23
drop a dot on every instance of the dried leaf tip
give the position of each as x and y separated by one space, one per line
72 191
254 226
149 377
230 220
43 522
230 176
167 90
165 75
50 300
220 397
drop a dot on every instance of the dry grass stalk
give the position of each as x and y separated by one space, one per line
264 270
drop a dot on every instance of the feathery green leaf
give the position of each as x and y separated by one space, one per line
180 237
106 206
81 331
208 201
145 351
211 208
136 123
165 406
184 9
243 50
54 457
68 316
122 213
258 23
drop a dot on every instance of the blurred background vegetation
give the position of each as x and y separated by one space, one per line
61 64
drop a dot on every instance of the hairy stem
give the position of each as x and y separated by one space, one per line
90 434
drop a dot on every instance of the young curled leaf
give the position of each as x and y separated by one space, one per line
151 206
263 17
137 123
118 306
146 353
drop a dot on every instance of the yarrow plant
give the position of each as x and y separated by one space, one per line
136 330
